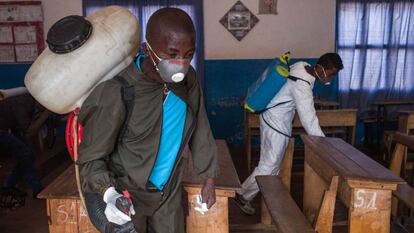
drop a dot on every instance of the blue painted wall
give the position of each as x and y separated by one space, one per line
226 83
12 75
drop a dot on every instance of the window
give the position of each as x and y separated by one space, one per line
376 42
143 9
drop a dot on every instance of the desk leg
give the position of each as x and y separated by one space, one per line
215 220
266 219
313 191
378 124
369 211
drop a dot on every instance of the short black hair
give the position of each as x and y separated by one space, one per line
331 60
168 19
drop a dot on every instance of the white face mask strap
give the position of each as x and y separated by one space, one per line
149 46
323 69
316 72
152 59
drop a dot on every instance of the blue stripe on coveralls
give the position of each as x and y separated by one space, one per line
173 120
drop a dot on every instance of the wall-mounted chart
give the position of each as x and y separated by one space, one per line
21 31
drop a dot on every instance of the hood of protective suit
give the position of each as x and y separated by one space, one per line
298 70
66 72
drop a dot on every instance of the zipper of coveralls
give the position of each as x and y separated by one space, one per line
183 143
186 138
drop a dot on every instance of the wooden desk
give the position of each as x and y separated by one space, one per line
405 125
393 102
382 113
365 187
320 104
217 218
328 119
334 118
64 208
66 213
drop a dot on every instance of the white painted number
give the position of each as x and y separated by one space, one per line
365 200
64 215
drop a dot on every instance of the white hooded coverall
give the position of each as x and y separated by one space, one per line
294 95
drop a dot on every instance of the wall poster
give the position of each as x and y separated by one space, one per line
21 31
268 7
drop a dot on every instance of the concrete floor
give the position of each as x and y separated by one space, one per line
32 216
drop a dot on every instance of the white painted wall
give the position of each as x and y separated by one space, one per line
305 27
53 10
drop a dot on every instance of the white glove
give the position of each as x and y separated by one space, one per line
114 211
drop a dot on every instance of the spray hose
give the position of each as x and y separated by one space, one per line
73 138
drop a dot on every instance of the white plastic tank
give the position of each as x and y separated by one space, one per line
105 44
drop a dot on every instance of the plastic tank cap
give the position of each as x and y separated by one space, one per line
68 34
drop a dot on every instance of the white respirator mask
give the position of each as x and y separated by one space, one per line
171 70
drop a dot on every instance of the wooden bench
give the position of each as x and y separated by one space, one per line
285 175
404 192
283 209
405 125
399 156
66 213
286 214
329 120
364 186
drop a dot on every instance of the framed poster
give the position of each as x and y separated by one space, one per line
268 7
239 20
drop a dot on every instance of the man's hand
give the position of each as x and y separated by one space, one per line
208 192
119 208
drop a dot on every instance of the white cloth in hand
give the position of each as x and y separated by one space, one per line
200 206
112 213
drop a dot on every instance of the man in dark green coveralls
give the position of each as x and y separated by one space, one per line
109 165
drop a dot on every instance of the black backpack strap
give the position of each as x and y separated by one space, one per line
294 78
278 131
128 96
278 104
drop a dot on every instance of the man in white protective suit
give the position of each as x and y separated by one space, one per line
276 121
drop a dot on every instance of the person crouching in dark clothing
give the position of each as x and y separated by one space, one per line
21 117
